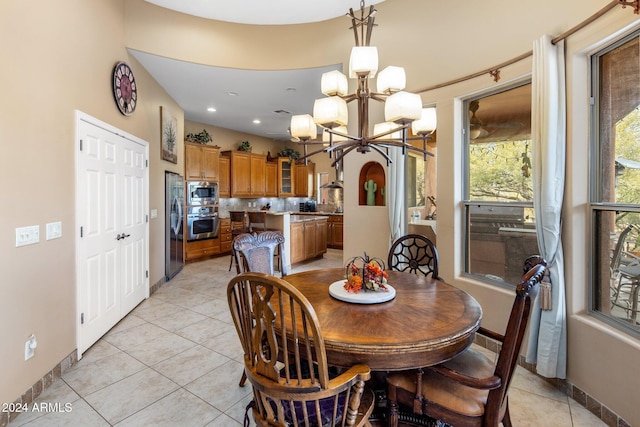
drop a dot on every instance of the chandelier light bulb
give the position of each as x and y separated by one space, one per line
330 112
303 127
363 61
334 83
403 107
427 122
391 80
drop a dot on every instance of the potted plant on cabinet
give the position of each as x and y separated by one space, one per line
200 138
245 146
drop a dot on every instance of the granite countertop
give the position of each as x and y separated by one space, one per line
318 213
302 218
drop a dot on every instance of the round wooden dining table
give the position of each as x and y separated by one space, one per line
428 321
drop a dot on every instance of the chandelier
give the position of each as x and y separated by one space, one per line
401 109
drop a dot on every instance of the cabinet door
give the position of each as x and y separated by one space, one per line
240 174
285 177
192 162
309 239
271 179
297 242
321 237
258 184
304 179
223 176
336 235
210 163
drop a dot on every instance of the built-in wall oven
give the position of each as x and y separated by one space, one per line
201 193
202 222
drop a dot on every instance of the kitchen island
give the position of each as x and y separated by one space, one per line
305 235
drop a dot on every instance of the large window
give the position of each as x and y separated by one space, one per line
500 228
416 181
615 186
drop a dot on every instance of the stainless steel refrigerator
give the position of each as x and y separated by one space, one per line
174 214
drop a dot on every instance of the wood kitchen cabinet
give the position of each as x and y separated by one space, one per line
224 188
322 228
285 177
297 242
335 232
304 185
308 239
246 174
271 179
240 173
258 174
202 248
201 162
225 235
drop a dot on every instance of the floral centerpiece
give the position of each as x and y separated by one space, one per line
365 273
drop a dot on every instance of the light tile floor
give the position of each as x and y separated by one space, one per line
176 360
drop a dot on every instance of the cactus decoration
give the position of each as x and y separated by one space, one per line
384 200
371 187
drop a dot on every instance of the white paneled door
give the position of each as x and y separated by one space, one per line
111 212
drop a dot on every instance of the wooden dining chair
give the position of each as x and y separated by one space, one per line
238 227
415 254
470 389
257 253
285 359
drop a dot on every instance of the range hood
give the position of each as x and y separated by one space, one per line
337 183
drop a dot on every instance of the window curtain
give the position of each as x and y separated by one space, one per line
396 197
548 328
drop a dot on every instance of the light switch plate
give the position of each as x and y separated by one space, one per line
54 230
154 213
27 235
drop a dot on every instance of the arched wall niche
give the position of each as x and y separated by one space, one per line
372 179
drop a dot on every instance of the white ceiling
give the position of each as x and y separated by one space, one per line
262 12
269 96
239 96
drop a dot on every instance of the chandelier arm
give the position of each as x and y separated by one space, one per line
344 135
350 97
384 154
341 155
354 26
380 97
370 24
313 153
342 144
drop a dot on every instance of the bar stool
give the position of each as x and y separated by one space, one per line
257 221
238 227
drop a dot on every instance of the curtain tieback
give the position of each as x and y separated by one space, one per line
545 293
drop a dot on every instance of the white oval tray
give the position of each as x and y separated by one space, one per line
337 290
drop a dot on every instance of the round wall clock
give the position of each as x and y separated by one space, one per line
124 88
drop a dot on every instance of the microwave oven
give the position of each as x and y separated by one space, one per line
202 193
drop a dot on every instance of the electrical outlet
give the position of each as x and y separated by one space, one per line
54 230
27 235
30 347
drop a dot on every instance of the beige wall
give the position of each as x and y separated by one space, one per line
58 58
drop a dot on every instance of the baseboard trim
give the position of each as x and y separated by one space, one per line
32 393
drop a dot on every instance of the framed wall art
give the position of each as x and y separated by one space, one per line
169 132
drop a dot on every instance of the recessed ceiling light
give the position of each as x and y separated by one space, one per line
232 93
256 122
211 109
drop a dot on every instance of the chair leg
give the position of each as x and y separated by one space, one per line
243 379
392 407
506 420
